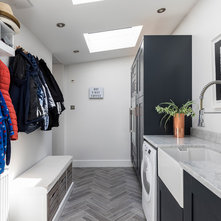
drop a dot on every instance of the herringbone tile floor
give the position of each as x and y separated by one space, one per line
104 194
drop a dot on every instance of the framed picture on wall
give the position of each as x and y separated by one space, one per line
216 52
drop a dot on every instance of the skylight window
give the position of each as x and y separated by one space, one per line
113 40
79 2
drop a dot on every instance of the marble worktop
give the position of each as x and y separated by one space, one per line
207 173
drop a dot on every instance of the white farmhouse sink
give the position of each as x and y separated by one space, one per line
170 170
190 154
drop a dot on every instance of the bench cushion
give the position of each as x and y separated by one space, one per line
45 173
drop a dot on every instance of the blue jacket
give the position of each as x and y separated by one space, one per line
20 68
6 130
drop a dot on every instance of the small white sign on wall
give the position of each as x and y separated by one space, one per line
96 93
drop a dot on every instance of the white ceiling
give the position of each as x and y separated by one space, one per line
41 19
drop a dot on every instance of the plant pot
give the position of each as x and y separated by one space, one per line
179 125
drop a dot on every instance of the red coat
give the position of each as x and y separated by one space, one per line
4 87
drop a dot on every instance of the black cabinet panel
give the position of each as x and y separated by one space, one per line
199 202
168 75
168 208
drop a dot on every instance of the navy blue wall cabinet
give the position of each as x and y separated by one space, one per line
162 70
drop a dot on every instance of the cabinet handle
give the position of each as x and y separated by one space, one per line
137 111
130 116
53 194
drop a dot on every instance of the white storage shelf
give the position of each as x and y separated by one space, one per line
7 34
6 50
39 193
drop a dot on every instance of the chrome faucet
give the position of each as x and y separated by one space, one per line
201 122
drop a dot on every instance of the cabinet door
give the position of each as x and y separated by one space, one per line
134 157
134 79
133 131
140 72
168 208
167 66
140 131
199 202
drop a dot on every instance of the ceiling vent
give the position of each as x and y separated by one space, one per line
21 4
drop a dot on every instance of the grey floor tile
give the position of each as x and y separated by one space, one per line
104 194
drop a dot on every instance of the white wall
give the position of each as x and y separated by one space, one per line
58 141
203 23
30 148
97 132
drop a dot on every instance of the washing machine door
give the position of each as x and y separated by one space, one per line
147 177
149 182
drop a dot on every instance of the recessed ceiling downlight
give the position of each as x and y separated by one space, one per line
113 40
161 10
79 2
60 25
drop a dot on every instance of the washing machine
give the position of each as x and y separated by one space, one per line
149 182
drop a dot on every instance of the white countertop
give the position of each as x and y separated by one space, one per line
206 172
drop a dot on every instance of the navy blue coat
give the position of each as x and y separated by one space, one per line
25 90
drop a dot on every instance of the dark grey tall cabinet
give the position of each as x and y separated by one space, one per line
162 71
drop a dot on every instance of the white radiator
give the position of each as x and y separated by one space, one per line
4 202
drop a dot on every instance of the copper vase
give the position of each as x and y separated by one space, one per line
179 125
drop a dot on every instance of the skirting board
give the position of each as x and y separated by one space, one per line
59 211
102 163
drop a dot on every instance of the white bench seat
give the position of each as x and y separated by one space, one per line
40 192
45 173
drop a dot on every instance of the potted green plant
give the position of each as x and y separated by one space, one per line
170 109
